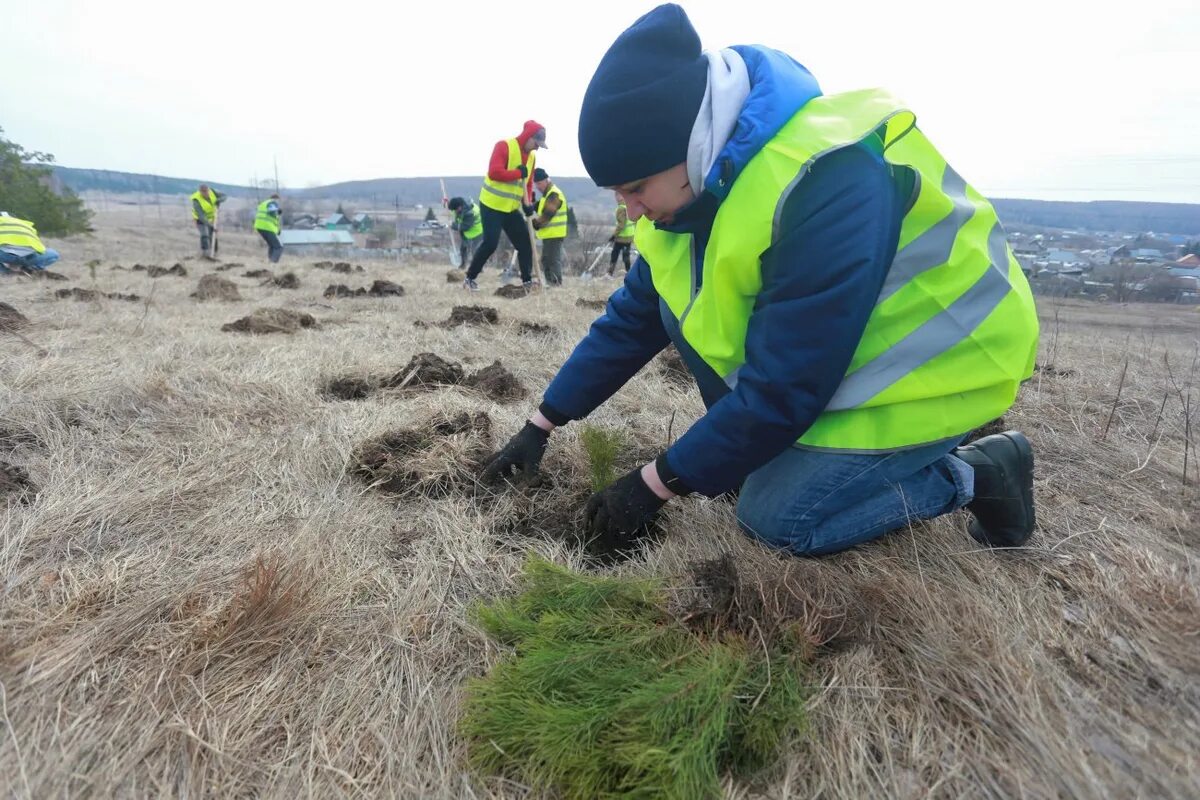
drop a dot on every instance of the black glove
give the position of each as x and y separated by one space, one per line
524 170
619 517
528 209
522 454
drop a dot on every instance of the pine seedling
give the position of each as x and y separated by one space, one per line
607 693
602 446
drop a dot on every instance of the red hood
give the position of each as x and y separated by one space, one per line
531 127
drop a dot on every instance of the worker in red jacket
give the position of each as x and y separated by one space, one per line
505 196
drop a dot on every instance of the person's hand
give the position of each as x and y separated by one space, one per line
524 170
521 455
537 224
612 238
618 517
528 208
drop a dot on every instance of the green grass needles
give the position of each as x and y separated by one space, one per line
610 694
602 446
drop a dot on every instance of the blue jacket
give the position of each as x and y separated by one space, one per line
838 235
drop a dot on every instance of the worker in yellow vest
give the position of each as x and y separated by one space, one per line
21 249
204 202
622 238
267 223
846 302
507 193
551 226
467 224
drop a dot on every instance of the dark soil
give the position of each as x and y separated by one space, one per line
595 305
546 515
229 266
323 264
10 318
287 280
258 273
472 315
43 274
88 295
15 486
496 382
456 276
214 287
343 266
158 272
415 460
534 329
349 387
513 292
271 320
425 370
378 289
1053 371
673 368
997 425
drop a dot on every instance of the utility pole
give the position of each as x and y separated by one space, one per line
276 162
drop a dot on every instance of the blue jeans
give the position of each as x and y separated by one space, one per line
813 502
31 261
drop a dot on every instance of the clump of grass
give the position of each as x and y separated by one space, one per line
608 693
602 446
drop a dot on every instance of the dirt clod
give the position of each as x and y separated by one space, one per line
456 276
287 280
595 305
214 287
88 295
534 329
672 366
10 318
472 315
425 370
378 289
42 274
323 264
177 270
349 387
514 292
496 382
15 486
437 459
258 273
271 320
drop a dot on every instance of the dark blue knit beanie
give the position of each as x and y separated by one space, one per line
640 107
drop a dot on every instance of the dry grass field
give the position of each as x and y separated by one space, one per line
205 597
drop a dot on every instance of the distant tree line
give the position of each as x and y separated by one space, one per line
27 191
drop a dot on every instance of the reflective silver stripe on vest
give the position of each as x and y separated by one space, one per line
931 248
562 224
519 195
937 335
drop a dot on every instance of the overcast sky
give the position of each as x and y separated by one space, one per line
1047 99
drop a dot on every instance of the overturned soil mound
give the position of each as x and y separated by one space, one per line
323 264
271 320
595 305
15 486
214 287
456 276
343 266
496 382
436 460
514 292
287 280
10 318
258 273
232 265
88 295
349 387
43 274
472 315
534 329
425 370
378 289
177 270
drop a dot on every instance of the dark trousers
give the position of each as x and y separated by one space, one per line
621 248
205 231
274 248
513 225
466 247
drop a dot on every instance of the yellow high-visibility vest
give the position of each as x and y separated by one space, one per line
954 330
264 220
20 233
556 228
506 196
209 205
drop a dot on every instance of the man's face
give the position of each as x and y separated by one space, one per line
657 197
536 141
541 185
204 192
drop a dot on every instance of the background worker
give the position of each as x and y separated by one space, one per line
622 237
21 249
551 225
204 202
266 222
469 225
505 196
